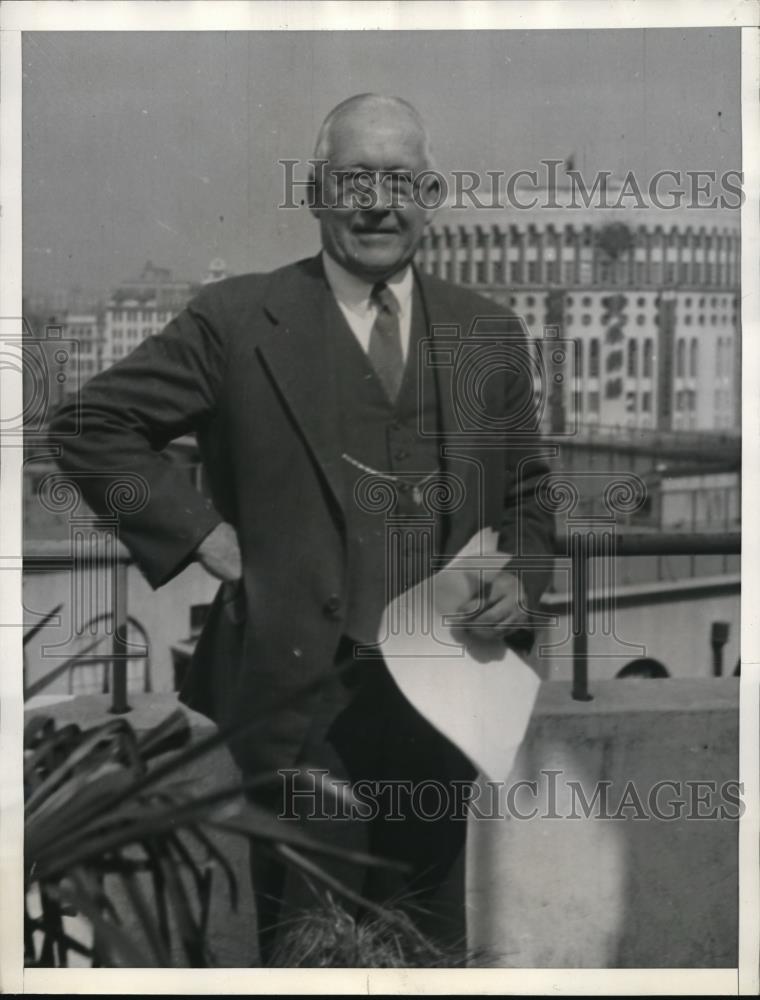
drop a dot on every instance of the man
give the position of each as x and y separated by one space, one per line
306 387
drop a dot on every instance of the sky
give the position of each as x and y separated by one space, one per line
164 146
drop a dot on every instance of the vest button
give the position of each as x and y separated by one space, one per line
333 606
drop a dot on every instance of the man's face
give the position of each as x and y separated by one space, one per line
375 241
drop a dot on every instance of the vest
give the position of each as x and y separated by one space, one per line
392 529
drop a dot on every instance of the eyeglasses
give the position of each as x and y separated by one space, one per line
359 188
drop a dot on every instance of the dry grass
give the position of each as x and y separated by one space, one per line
329 937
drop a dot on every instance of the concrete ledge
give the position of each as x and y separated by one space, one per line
619 887
635 694
554 892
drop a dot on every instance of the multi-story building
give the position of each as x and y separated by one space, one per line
141 307
650 297
86 330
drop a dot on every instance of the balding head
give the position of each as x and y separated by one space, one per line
373 113
376 153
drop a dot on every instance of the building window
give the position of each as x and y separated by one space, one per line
593 402
498 272
578 401
641 302
586 319
579 358
530 301
719 357
713 320
687 320
593 358
569 300
633 357
681 358
530 319
586 302
515 271
630 402
117 316
693 357
646 402
532 272
464 271
569 320
640 319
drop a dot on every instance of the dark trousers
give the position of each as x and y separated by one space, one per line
412 784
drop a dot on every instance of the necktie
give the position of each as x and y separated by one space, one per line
385 353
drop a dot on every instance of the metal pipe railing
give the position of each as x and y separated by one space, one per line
55 556
47 557
629 544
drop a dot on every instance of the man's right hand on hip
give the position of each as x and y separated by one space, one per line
219 553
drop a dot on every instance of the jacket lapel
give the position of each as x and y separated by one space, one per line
298 355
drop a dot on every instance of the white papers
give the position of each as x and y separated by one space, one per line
478 693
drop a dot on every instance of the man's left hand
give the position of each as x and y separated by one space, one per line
499 612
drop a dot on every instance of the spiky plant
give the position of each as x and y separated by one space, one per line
107 806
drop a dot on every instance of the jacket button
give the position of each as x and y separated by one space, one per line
333 606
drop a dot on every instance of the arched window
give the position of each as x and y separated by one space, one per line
633 357
693 357
645 666
681 357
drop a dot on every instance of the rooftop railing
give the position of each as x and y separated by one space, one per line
580 547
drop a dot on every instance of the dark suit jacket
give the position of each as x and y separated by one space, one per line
246 366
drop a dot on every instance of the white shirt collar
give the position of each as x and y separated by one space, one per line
353 293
